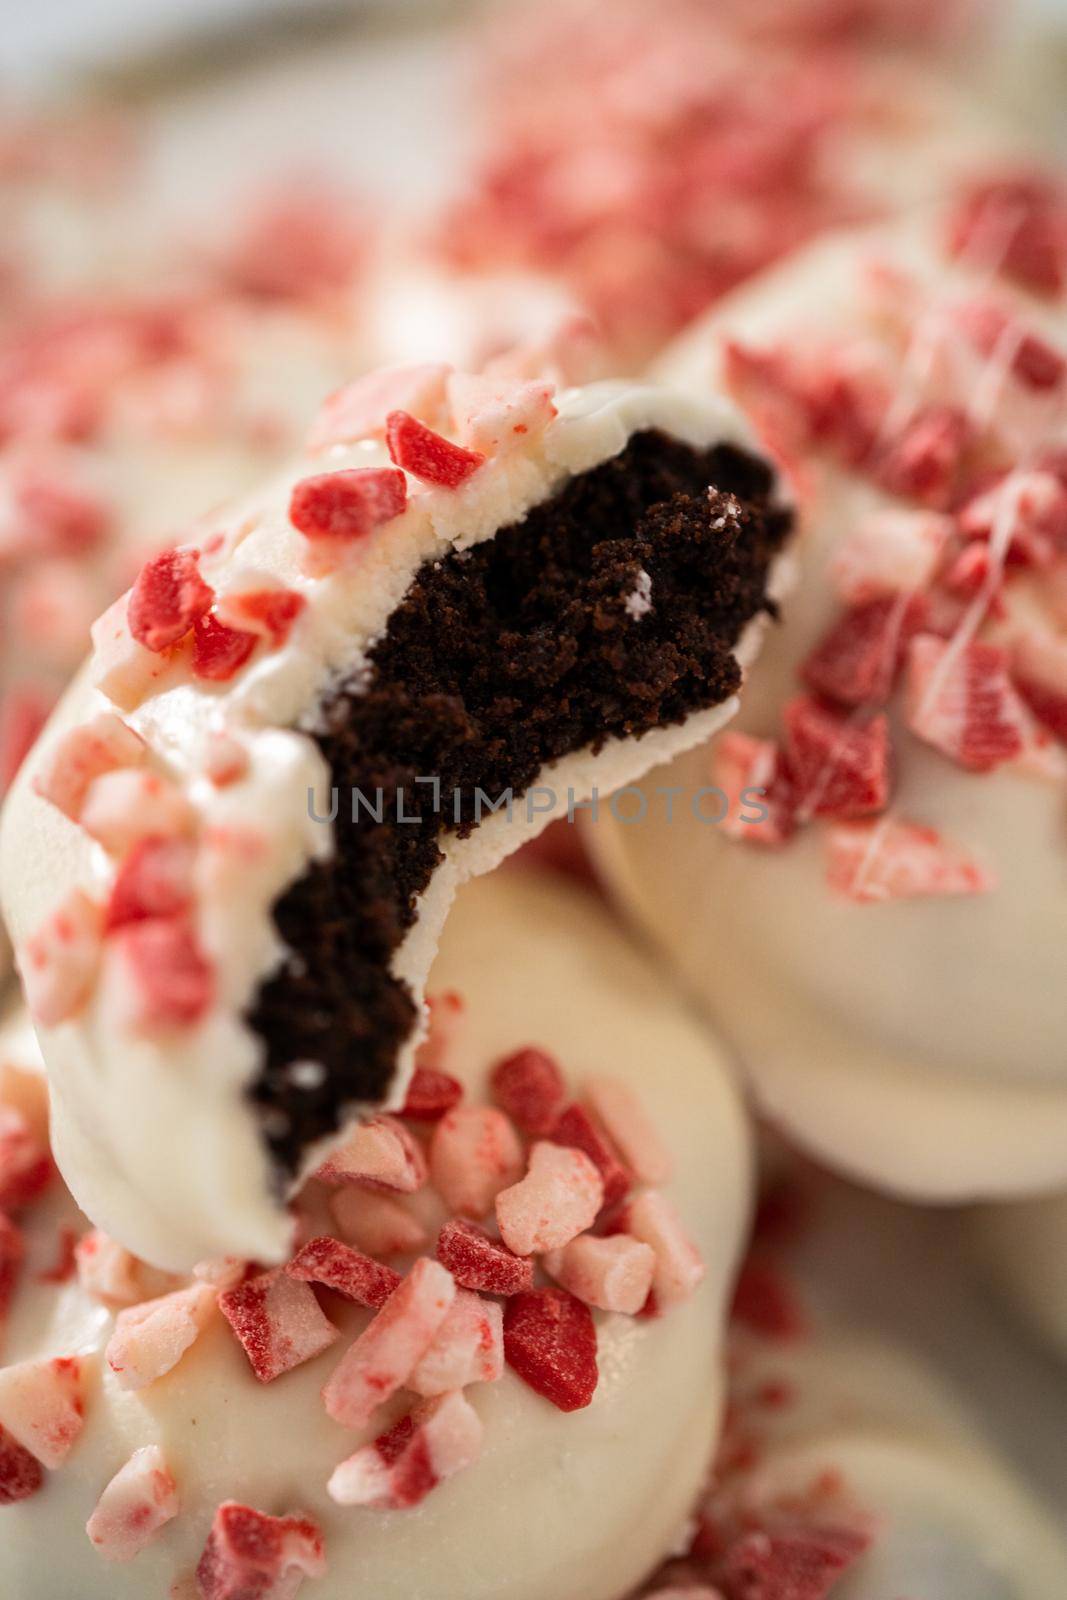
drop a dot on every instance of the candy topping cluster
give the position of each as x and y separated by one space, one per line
953 409
544 1214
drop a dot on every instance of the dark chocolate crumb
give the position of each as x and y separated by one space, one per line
498 661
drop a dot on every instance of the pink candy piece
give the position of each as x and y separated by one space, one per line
550 1341
446 1012
278 1321
397 1471
154 880
857 661
102 745
478 1262
377 1223
653 1219
469 1348
761 803
141 1498
1015 224
578 1129
220 652
387 1352
269 611
895 860
130 804
474 1153
558 1199
492 413
803 1564
924 461
250 1556
891 552
107 1270
430 1094
630 1128
58 963
612 1274
529 1086
164 979
344 507
840 767
42 1406
1039 670
961 701
379 1153
337 1266
12 1255
358 411
1028 510
25 1162
123 669
151 1338
21 1474
168 597
428 456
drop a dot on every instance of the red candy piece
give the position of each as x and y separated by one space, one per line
1015 224
801 1565
924 460
346 506
962 702
337 1266
403 1465
753 775
856 663
389 1349
550 1341
840 768
529 1087
765 1303
428 456
478 1262
21 1475
220 652
168 597
12 1254
430 1095
25 1162
578 1129
889 860
269 612
250 1556
278 1321
173 983
155 880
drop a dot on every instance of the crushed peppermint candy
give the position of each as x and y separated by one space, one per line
168 598
278 1321
141 1499
892 859
337 1266
550 1341
42 1406
475 1152
252 1556
400 1468
427 455
344 507
559 1197
150 1339
389 1349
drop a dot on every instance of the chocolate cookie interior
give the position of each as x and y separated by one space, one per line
610 610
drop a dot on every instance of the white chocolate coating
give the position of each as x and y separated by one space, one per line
576 1507
153 1133
950 1517
1023 1250
915 1044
